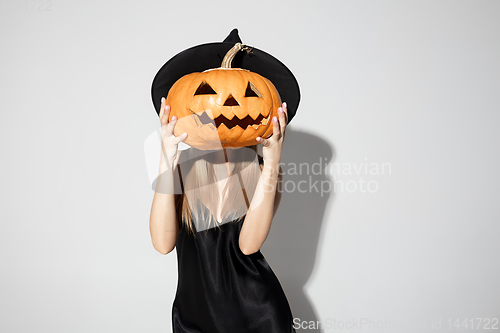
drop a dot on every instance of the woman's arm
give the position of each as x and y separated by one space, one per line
163 223
263 207
267 195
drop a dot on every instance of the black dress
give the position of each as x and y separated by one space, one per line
222 290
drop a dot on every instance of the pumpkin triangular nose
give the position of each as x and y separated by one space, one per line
230 101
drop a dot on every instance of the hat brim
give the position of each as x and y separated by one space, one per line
206 56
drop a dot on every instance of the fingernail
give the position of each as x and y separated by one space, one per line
162 99
275 119
284 104
280 110
174 118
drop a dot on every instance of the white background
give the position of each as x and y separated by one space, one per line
413 84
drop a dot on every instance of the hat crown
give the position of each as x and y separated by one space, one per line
233 37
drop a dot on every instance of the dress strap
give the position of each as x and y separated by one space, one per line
244 191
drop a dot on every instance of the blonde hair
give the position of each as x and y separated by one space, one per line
201 202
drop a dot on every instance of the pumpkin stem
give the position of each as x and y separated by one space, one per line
228 58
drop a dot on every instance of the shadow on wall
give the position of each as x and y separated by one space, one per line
292 244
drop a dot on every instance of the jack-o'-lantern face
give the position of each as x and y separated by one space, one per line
223 107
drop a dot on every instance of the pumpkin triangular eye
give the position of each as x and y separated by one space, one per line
205 89
252 91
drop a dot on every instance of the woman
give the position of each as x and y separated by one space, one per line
224 282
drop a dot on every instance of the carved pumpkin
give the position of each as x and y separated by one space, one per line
223 107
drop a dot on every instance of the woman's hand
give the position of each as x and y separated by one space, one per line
169 142
271 147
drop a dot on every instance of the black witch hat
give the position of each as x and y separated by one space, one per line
206 56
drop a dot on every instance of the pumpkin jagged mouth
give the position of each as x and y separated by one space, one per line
202 118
